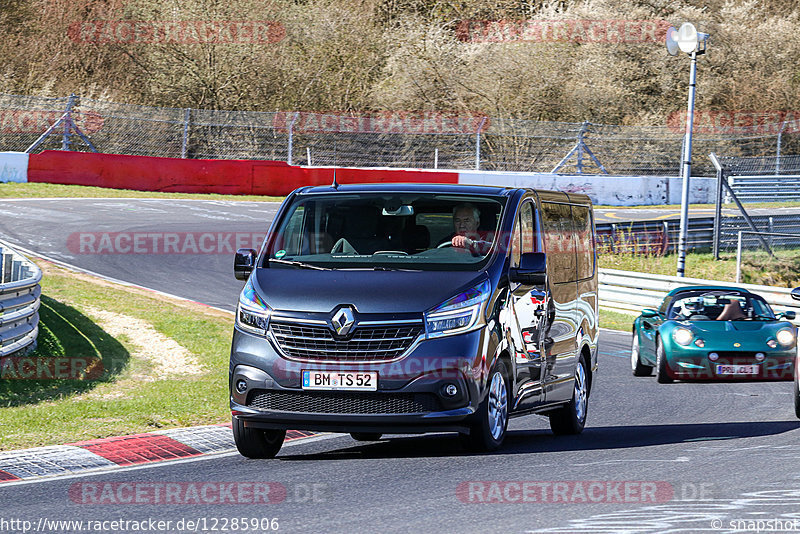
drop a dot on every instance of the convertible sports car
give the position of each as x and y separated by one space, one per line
713 333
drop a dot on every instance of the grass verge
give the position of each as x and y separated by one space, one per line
37 190
132 395
614 320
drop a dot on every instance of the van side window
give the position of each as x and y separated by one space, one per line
292 230
560 241
582 218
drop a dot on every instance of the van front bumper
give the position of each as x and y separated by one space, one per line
410 398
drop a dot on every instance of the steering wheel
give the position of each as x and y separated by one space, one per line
445 244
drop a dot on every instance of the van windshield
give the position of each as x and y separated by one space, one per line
417 231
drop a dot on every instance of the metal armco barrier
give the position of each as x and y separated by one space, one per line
768 188
19 301
629 291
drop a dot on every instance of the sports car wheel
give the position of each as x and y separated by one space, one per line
661 364
638 368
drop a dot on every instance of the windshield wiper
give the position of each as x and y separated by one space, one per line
384 268
299 264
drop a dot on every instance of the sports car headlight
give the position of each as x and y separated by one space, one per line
682 336
785 337
458 314
252 313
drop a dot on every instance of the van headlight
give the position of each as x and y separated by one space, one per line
458 314
785 337
252 313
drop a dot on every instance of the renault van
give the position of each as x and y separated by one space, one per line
413 308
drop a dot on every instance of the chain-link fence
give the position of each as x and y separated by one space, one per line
764 240
384 139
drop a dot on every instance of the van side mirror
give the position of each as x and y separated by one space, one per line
243 263
796 293
532 269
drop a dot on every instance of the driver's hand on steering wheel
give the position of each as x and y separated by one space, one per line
462 241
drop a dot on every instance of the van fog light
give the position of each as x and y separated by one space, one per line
713 356
760 356
450 390
241 386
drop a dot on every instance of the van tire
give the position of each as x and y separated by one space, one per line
257 443
366 436
571 418
638 368
488 430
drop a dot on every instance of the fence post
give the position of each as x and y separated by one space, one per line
478 145
67 122
308 156
291 136
435 158
739 258
185 143
778 149
718 204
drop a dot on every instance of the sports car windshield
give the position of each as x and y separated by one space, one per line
719 306
386 231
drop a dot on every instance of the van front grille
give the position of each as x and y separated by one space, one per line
366 343
344 402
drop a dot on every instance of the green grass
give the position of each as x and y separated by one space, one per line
119 402
616 320
36 190
757 267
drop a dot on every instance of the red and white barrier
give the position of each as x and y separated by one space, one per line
276 178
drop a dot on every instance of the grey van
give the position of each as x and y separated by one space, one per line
412 308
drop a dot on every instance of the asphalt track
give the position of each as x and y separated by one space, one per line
715 452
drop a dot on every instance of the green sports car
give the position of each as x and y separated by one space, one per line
713 333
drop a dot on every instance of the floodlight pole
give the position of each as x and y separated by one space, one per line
686 169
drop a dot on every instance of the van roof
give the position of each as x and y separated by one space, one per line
387 187
410 188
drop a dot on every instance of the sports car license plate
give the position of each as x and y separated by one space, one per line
340 380
737 369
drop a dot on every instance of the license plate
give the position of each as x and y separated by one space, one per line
737 369
340 380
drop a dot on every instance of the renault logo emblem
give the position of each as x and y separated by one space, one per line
343 321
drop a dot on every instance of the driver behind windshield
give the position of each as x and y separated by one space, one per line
466 218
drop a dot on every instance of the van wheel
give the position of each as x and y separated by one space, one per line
797 388
365 436
637 367
256 442
571 418
661 364
489 429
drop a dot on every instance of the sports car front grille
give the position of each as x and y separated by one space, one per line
366 343
344 402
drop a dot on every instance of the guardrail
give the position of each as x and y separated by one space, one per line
19 301
628 291
768 188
